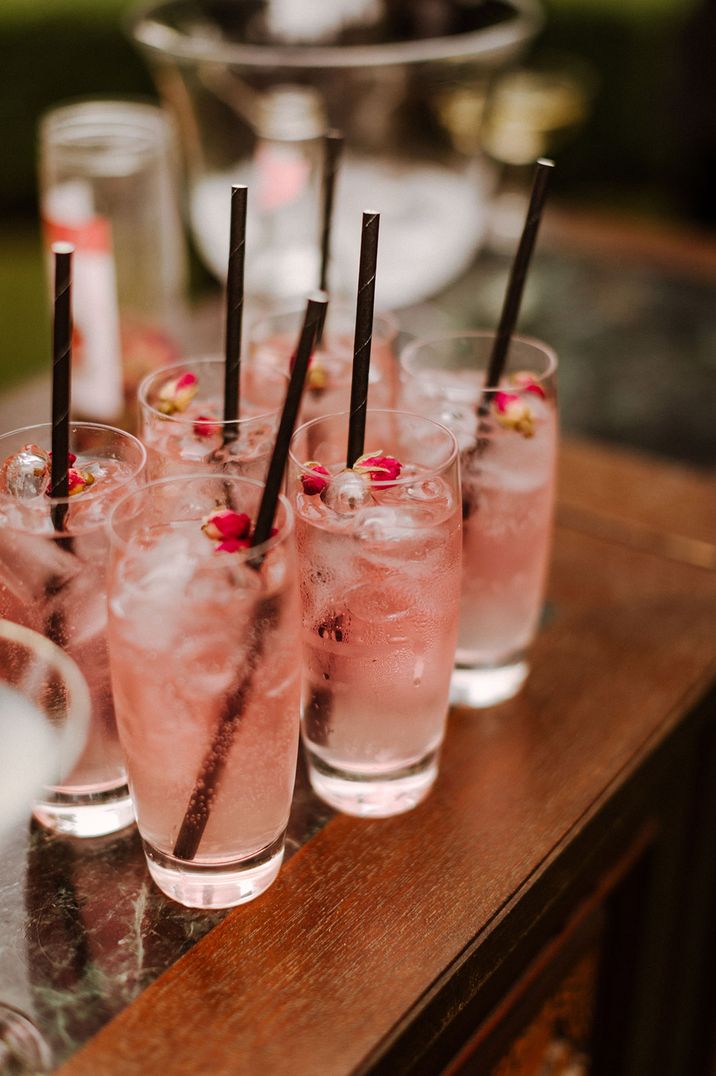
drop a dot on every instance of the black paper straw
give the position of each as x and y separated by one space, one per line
363 336
315 313
234 312
516 283
266 616
61 380
332 149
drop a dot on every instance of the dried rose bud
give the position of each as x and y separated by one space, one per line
315 483
177 394
78 481
223 523
317 377
206 426
523 379
233 545
379 468
514 413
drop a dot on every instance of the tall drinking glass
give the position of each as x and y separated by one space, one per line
109 185
328 382
507 461
379 565
181 410
53 560
203 643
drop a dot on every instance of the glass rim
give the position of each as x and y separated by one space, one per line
241 555
207 360
86 495
59 123
55 656
146 27
346 305
411 349
388 482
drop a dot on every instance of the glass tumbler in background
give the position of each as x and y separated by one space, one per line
272 339
181 409
53 580
44 719
379 567
203 646
108 172
508 467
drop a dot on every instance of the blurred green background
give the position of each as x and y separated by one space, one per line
646 146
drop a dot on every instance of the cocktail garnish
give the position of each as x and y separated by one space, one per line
528 382
317 377
206 426
379 468
176 394
78 481
26 473
514 413
232 530
314 483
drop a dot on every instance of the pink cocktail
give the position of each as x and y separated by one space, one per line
328 383
206 680
181 419
379 551
54 581
508 460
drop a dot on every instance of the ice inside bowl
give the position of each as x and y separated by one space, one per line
255 83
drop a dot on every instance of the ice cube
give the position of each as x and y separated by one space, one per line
26 473
381 524
347 493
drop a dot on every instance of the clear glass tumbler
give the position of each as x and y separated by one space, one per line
108 173
181 410
379 550
272 339
507 461
44 719
53 562
206 679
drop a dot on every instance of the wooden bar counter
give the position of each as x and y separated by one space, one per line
554 896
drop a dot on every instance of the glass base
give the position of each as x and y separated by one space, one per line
92 815
487 685
372 796
22 1048
198 885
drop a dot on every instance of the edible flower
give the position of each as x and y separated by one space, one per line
523 379
177 394
78 481
232 530
205 426
314 483
514 413
317 377
379 468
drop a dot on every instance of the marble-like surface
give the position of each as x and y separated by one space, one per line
84 928
636 344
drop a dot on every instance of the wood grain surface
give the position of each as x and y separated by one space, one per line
370 920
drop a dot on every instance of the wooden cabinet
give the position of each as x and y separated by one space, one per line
555 892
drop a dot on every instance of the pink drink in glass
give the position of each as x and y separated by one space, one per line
328 383
379 570
187 620
508 480
181 409
54 581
